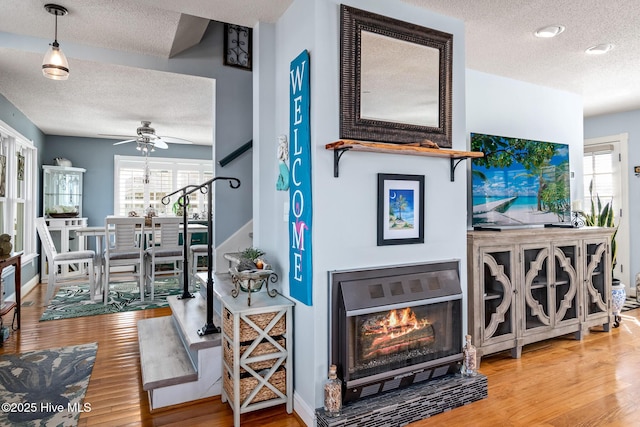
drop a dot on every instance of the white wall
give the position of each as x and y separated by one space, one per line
344 214
507 107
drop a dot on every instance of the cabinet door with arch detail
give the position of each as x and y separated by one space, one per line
598 272
536 299
498 294
566 287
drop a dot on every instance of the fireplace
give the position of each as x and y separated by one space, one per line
394 326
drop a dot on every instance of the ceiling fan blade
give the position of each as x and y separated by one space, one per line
124 142
159 143
117 136
175 140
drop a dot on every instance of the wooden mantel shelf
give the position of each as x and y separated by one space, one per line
340 147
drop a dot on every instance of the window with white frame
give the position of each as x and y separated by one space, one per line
599 173
18 190
165 175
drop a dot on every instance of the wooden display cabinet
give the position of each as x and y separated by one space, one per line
529 285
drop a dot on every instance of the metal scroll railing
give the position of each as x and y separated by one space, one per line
183 202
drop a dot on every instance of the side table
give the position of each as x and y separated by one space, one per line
15 259
257 363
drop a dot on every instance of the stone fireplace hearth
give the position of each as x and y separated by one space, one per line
414 403
396 338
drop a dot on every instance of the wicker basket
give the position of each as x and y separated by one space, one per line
261 349
247 333
247 385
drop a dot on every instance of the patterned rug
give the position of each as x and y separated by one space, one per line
74 301
630 304
46 387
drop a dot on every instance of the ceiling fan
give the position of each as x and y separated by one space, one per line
147 139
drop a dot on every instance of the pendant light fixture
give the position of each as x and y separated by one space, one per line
54 64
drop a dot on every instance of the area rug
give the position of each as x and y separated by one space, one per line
45 387
630 304
74 301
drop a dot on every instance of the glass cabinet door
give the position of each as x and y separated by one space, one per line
497 294
598 270
62 192
565 274
537 292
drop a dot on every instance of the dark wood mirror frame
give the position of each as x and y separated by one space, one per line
352 126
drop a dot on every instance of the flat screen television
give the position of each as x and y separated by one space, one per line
519 182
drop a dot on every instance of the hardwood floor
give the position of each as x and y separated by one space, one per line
559 382
115 389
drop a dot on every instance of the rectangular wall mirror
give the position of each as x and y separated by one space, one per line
395 80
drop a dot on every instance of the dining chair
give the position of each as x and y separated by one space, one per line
55 259
163 248
124 247
197 252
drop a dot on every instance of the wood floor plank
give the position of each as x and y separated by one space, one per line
559 382
115 388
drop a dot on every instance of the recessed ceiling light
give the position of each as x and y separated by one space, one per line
599 49
549 31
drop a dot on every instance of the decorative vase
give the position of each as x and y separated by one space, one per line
333 393
618 296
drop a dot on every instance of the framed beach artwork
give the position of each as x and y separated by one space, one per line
400 209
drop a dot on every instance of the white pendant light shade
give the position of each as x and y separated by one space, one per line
54 64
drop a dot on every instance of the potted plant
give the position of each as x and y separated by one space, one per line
602 216
250 259
250 271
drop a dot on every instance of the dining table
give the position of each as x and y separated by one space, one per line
98 233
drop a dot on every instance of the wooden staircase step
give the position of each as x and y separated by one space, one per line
190 315
163 357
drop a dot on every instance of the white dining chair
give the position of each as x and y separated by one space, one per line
196 252
55 259
163 248
124 247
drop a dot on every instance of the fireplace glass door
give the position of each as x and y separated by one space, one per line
401 339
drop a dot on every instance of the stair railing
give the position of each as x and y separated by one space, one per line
183 201
236 153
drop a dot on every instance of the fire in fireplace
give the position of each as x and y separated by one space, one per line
382 335
394 326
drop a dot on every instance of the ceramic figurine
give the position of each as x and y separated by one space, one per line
283 160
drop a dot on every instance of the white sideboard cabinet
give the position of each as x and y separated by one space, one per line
62 208
528 285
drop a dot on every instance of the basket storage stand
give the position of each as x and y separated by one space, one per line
257 366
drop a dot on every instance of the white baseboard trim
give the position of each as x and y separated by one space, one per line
30 285
306 414
26 288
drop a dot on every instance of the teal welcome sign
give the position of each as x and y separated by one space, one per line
300 206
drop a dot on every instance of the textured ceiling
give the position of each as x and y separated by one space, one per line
499 41
147 32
